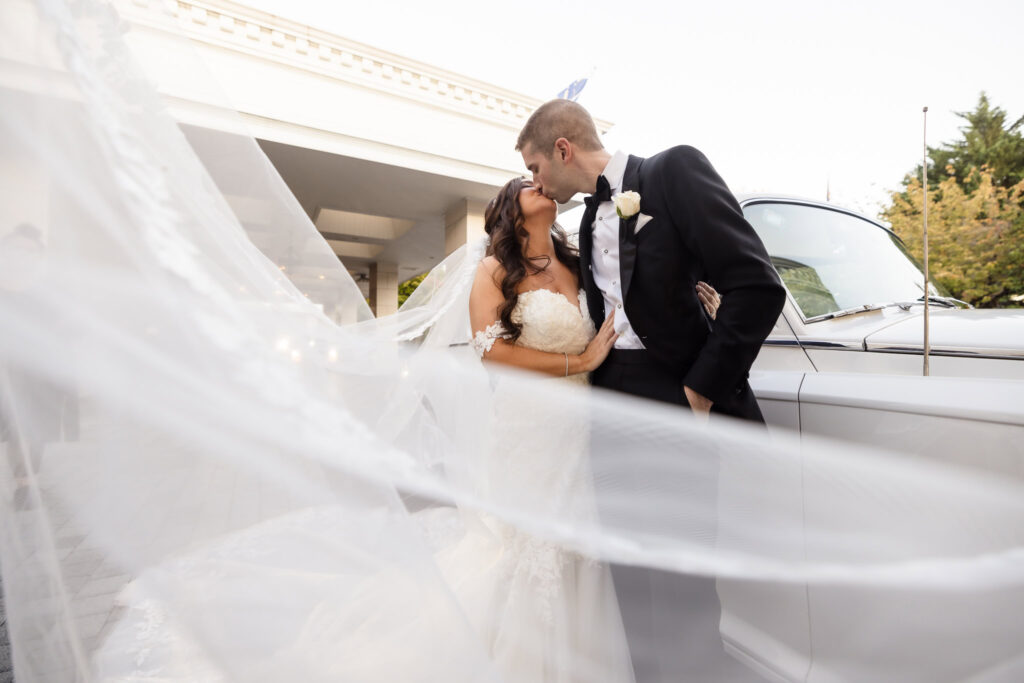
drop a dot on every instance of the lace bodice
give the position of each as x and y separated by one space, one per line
551 322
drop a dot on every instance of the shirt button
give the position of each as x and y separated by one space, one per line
618 305
615 282
600 218
605 250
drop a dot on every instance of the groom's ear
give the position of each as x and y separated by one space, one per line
563 150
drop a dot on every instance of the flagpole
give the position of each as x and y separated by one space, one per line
924 172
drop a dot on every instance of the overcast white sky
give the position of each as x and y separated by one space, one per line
782 96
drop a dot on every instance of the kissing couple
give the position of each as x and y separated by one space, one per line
628 311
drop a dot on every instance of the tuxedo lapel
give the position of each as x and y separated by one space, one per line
627 227
585 240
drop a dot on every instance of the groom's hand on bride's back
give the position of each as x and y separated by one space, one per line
710 297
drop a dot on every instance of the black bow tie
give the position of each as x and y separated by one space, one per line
603 193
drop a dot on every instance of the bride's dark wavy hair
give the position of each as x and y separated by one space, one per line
503 222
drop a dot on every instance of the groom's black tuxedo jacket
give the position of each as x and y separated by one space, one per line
697 232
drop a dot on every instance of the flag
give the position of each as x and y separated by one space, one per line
573 90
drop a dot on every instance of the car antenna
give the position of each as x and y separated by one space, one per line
924 185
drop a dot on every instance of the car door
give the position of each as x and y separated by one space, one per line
969 423
765 624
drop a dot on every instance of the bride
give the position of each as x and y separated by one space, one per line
554 609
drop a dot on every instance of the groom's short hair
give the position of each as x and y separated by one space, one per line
559 119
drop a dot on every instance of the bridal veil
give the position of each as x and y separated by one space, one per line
187 365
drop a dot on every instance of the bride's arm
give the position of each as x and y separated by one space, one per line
485 302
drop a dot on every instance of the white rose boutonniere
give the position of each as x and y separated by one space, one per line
627 204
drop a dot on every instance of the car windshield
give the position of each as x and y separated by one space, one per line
831 261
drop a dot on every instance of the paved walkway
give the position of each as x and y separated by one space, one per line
6 673
91 584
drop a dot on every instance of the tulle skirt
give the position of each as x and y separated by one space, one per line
537 612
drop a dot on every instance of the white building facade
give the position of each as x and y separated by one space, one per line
392 159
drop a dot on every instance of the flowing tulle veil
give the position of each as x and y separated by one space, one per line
182 416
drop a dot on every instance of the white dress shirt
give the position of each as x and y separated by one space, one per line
605 268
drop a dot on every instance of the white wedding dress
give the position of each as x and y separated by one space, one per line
541 613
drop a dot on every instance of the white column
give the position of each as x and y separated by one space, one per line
383 288
463 222
27 196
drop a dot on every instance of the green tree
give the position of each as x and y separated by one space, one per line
988 140
406 289
975 238
975 210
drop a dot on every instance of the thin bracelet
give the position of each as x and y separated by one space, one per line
566 363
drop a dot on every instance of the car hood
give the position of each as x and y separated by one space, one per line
992 332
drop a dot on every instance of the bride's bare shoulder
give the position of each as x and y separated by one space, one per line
491 269
486 297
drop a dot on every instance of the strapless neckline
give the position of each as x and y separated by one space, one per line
578 305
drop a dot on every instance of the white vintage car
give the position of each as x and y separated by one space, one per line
846 356
845 360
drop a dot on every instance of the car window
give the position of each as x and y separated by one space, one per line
831 261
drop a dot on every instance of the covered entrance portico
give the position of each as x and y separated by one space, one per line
385 223
391 159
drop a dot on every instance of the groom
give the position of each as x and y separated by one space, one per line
641 256
686 227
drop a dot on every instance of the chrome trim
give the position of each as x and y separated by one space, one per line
957 353
816 344
907 350
844 312
777 199
781 342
